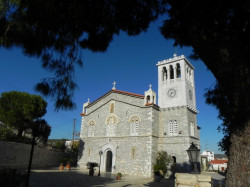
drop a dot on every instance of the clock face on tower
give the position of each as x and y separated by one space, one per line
171 92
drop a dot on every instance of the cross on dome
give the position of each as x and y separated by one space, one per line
150 86
114 83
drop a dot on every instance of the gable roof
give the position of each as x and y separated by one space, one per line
128 93
218 161
116 91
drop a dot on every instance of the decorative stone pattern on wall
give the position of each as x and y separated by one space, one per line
192 180
16 155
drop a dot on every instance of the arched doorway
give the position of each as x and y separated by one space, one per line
109 161
174 159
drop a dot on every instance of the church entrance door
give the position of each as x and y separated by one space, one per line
109 161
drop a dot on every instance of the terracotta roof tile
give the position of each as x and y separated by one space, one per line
218 161
129 93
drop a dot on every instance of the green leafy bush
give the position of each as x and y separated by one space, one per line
162 160
119 174
92 164
7 133
60 145
63 161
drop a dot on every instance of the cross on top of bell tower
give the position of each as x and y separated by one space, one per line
150 86
114 83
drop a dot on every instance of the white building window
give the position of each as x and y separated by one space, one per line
91 126
178 70
173 127
134 125
111 123
191 129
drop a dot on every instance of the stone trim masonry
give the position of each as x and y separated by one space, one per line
192 180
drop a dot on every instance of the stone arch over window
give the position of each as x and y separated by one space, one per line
91 126
164 74
171 71
191 129
173 127
134 125
178 70
111 122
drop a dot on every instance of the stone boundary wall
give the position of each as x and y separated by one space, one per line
16 155
192 180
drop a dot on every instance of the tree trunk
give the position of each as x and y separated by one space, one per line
238 170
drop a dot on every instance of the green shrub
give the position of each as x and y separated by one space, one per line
63 161
7 133
162 160
92 164
60 145
119 174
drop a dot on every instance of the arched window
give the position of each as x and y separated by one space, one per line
178 70
191 129
188 73
112 107
173 127
171 70
91 126
174 159
148 99
164 74
111 122
134 125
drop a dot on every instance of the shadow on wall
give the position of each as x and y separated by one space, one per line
81 149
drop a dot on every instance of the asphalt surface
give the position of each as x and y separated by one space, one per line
77 177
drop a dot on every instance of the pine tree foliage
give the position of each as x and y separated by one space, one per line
24 112
57 31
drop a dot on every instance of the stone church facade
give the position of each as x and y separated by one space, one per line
124 131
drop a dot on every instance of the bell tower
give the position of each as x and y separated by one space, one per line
178 114
176 83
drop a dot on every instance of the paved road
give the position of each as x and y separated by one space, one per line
80 178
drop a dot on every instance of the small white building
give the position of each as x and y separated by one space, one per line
68 143
208 154
218 165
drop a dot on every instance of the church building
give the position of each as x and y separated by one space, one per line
123 131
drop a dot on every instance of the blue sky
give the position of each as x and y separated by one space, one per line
130 61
